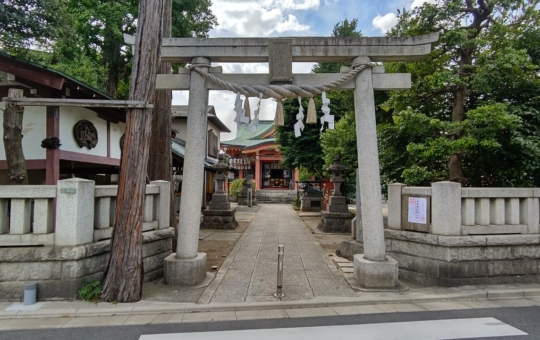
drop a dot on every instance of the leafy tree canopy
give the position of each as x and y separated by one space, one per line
84 38
472 113
28 23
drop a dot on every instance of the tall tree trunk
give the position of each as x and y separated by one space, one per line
13 118
113 63
455 164
160 159
124 275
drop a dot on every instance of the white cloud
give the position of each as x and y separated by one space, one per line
259 18
385 22
302 67
291 25
298 4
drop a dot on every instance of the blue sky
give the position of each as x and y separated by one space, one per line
263 18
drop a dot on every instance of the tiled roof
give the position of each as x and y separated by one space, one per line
179 148
246 138
7 56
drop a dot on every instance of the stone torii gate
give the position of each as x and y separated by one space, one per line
373 269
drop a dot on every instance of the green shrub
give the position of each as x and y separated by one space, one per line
304 175
236 187
296 203
91 291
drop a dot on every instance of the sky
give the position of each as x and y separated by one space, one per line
282 18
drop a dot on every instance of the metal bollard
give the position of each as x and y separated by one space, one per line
249 197
279 291
30 292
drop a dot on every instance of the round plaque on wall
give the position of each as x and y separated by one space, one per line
85 134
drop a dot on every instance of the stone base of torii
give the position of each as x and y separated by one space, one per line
373 269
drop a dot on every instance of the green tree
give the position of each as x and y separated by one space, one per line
305 151
100 26
342 141
472 111
27 23
85 38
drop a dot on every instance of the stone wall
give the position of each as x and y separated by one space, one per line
465 260
460 260
62 271
471 235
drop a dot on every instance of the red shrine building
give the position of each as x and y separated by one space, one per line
257 154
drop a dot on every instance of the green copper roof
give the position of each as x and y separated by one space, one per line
179 148
245 138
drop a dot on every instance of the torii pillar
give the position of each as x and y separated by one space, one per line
188 266
373 269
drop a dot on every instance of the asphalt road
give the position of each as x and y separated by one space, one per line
525 319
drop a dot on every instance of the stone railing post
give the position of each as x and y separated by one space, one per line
394 205
163 204
446 208
74 212
529 214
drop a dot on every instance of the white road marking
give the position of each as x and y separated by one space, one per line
414 330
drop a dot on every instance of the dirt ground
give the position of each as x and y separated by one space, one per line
218 244
329 241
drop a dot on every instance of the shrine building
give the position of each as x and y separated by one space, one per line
61 142
257 154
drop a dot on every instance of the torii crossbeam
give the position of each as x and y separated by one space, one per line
373 269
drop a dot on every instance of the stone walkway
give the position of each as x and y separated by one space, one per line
250 272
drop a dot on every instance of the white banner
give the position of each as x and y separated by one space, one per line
417 210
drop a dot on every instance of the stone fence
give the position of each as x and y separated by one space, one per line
453 210
59 236
448 235
84 212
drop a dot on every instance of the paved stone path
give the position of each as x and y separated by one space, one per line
250 272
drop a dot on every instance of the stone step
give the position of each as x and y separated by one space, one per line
274 200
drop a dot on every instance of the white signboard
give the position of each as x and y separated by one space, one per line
417 210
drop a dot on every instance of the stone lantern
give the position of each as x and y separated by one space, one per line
220 200
337 217
219 214
337 170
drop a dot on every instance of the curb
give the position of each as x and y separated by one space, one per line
174 308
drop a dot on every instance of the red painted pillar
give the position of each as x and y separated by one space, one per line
257 171
52 160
